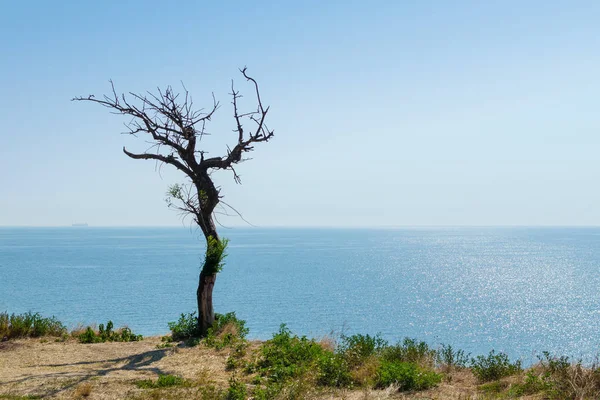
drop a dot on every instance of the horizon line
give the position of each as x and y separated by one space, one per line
316 226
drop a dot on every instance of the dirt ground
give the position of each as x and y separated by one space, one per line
69 370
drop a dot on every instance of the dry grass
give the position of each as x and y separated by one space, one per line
228 329
81 328
83 390
366 371
327 343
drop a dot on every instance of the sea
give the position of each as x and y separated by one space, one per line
520 290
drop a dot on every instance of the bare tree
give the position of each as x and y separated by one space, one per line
175 130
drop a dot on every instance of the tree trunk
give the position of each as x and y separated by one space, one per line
206 314
208 274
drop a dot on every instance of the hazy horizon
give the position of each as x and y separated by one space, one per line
385 114
193 226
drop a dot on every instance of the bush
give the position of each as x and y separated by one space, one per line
108 334
269 392
286 356
494 367
237 390
333 370
407 376
357 348
227 330
29 325
566 380
411 351
185 328
236 356
450 358
533 384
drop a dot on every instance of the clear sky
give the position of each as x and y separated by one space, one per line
386 113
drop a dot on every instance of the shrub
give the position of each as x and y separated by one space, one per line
29 325
407 376
236 356
411 351
365 373
227 330
333 370
566 380
494 367
286 356
357 348
268 392
107 334
4 325
237 390
533 384
185 328
450 358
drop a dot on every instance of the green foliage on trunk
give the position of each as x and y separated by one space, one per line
215 254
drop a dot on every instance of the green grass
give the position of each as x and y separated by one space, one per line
15 397
163 381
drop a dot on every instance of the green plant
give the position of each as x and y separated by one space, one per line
406 375
450 358
333 370
107 334
162 382
269 391
533 384
493 387
210 392
126 335
286 356
494 366
357 348
186 327
227 330
236 356
29 325
237 390
215 255
89 336
412 351
569 380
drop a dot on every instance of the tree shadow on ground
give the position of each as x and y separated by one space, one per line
136 362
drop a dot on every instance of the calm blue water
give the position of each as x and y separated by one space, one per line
521 290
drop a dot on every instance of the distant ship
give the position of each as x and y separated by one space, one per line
81 224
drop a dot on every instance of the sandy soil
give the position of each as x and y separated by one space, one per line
58 370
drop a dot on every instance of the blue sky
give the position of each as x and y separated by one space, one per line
386 113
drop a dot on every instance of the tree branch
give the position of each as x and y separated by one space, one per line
170 159
260 134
